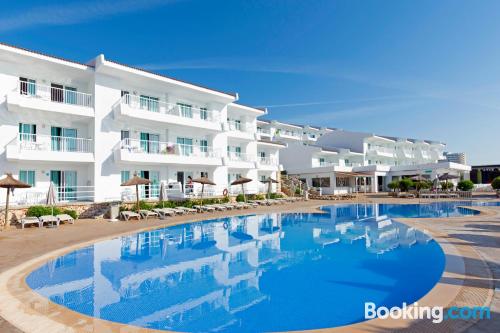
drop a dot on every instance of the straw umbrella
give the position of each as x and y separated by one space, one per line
9 183
203 181
269 180
241 181
51 197
136 181
446 176
163 194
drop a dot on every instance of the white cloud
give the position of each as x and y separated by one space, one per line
73 13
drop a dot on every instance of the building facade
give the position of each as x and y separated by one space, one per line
459 158
89 127
337 161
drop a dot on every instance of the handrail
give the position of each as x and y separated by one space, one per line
162 107
54 94
38 142
241 157
167 148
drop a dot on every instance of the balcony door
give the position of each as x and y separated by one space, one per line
66 184
150 143
27 132
63 139
185 146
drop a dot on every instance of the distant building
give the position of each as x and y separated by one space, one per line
486 172
459 158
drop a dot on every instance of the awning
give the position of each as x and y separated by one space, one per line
352 174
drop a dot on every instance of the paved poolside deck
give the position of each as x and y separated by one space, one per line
472 246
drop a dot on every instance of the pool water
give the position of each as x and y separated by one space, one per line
254 273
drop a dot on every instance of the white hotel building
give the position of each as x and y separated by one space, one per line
338 161
89 127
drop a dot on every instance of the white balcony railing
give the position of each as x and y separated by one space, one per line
353 164
178 110
54 94
233 125
268 161
327 163
167 148
381 150
240 157
264 131
38 195
37 142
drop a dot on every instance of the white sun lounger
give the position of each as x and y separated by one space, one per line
49 219
187 210
163 212
145 214
127 215
30 220
65 218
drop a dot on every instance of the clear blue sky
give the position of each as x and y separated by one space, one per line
424 69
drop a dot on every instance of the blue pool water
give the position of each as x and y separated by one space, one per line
254 273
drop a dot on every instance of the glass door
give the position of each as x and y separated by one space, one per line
69 139
55 138
27 132
70 96
154 176
185 146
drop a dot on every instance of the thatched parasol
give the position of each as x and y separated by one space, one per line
203 181
446 176
51 197
10 183
269 180
241 181
136 181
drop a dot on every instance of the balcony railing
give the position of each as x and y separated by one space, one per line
267 160
38 195
383 150
353 164
233 125
167 148
37 142
184 111
54 94
240 157
328 163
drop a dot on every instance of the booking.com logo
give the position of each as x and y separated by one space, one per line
436 313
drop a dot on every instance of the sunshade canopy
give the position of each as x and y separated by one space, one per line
204 181
136 180
269 180
241 180
11 182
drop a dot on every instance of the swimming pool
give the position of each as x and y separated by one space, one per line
255 273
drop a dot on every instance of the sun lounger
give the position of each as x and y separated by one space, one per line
187 210
145 214
163 212
127 215
204 208
49 219
228 206
244 205
30 220
65 218
218 207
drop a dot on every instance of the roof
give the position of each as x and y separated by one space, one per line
89 65
273 142
261 110
46 55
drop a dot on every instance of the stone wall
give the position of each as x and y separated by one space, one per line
84 211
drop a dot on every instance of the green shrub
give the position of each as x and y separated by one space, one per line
240 198
496 183
37 211
297 191
394 185
275 196
447 186
144 205
71 213
423 185
465 185
405 184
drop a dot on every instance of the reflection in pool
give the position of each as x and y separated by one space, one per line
249 273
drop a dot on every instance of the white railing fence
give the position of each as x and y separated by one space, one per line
39 142
240 157
155 105
64 194
54 94
167 148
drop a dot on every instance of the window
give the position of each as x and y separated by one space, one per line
321 182
203 114
204 146
321 161
149 103
70 96
56 93
150 143
27 176
185 146
125 99
342 181
27 132
186 110
27 86
125 134
125 175
204 174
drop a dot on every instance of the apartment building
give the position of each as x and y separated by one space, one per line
338 161
460 158
89 127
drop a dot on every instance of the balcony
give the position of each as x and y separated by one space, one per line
35 147
326 164
267 163
382 151
239 130
239 160
37 97
158 111
156 152
288 135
